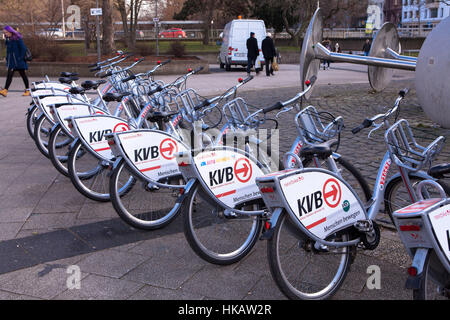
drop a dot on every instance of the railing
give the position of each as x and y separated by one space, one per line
336 33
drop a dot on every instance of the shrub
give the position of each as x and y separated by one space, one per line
145 49
37 45
56 52
177 49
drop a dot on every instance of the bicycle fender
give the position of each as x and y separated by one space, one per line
413 282
268 233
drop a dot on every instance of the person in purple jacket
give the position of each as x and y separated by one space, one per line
15 59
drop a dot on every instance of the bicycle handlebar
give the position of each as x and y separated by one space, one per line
280 104
367 123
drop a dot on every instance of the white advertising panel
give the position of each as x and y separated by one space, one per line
321 202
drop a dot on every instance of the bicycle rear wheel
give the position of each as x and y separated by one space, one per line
142 206
430 288
302 269
214 236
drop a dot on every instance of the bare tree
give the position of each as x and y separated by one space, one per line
108 46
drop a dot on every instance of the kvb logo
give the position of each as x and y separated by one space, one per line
121 127
168 148
330 194
243 170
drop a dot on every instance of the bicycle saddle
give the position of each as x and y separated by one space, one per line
68 74
321 150
109 97
160 116
439 170
67 80
89 84
76 90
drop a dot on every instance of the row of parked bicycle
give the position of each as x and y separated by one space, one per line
158 149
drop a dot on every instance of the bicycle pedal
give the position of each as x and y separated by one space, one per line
151 187
229 214
363 225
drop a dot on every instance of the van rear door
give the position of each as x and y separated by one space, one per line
239 40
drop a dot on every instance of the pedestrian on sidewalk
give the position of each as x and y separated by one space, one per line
15 59
252 53
366 47
269 52
326 63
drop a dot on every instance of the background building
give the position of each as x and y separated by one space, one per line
426 13
393 11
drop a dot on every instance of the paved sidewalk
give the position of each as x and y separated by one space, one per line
47 226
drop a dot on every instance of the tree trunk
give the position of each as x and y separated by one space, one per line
121 7
108 45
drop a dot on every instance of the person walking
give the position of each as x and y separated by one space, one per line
269 52
15 59
366 47
252 53
337 48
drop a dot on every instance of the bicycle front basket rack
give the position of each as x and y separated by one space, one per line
310 124
404 149
237 114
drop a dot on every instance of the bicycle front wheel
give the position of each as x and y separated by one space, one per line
301 268
58 156
89 175
140 204
32 116
397 196
435 282
214 236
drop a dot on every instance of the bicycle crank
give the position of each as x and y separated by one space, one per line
369 233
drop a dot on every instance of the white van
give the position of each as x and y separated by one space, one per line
234 41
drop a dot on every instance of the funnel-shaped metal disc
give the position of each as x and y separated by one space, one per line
386 37
309 66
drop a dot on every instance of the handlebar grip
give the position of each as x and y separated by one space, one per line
93 65
108 74
132 77
157 89
313 80
205 103
197 70
276 106
247 79
403 92
166 62
366 124
95 69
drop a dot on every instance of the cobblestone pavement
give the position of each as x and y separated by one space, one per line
46 225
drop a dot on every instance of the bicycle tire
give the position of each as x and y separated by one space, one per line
130 211
58 161
84 176
287 241
427 287
32 115
402 199
215 225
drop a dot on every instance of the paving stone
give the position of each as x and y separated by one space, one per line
95 287
156 293
111 263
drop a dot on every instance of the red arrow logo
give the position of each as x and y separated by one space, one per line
170 149
333 193
243 170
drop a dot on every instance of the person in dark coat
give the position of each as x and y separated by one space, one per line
252 52
269 52
366 47
15 59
